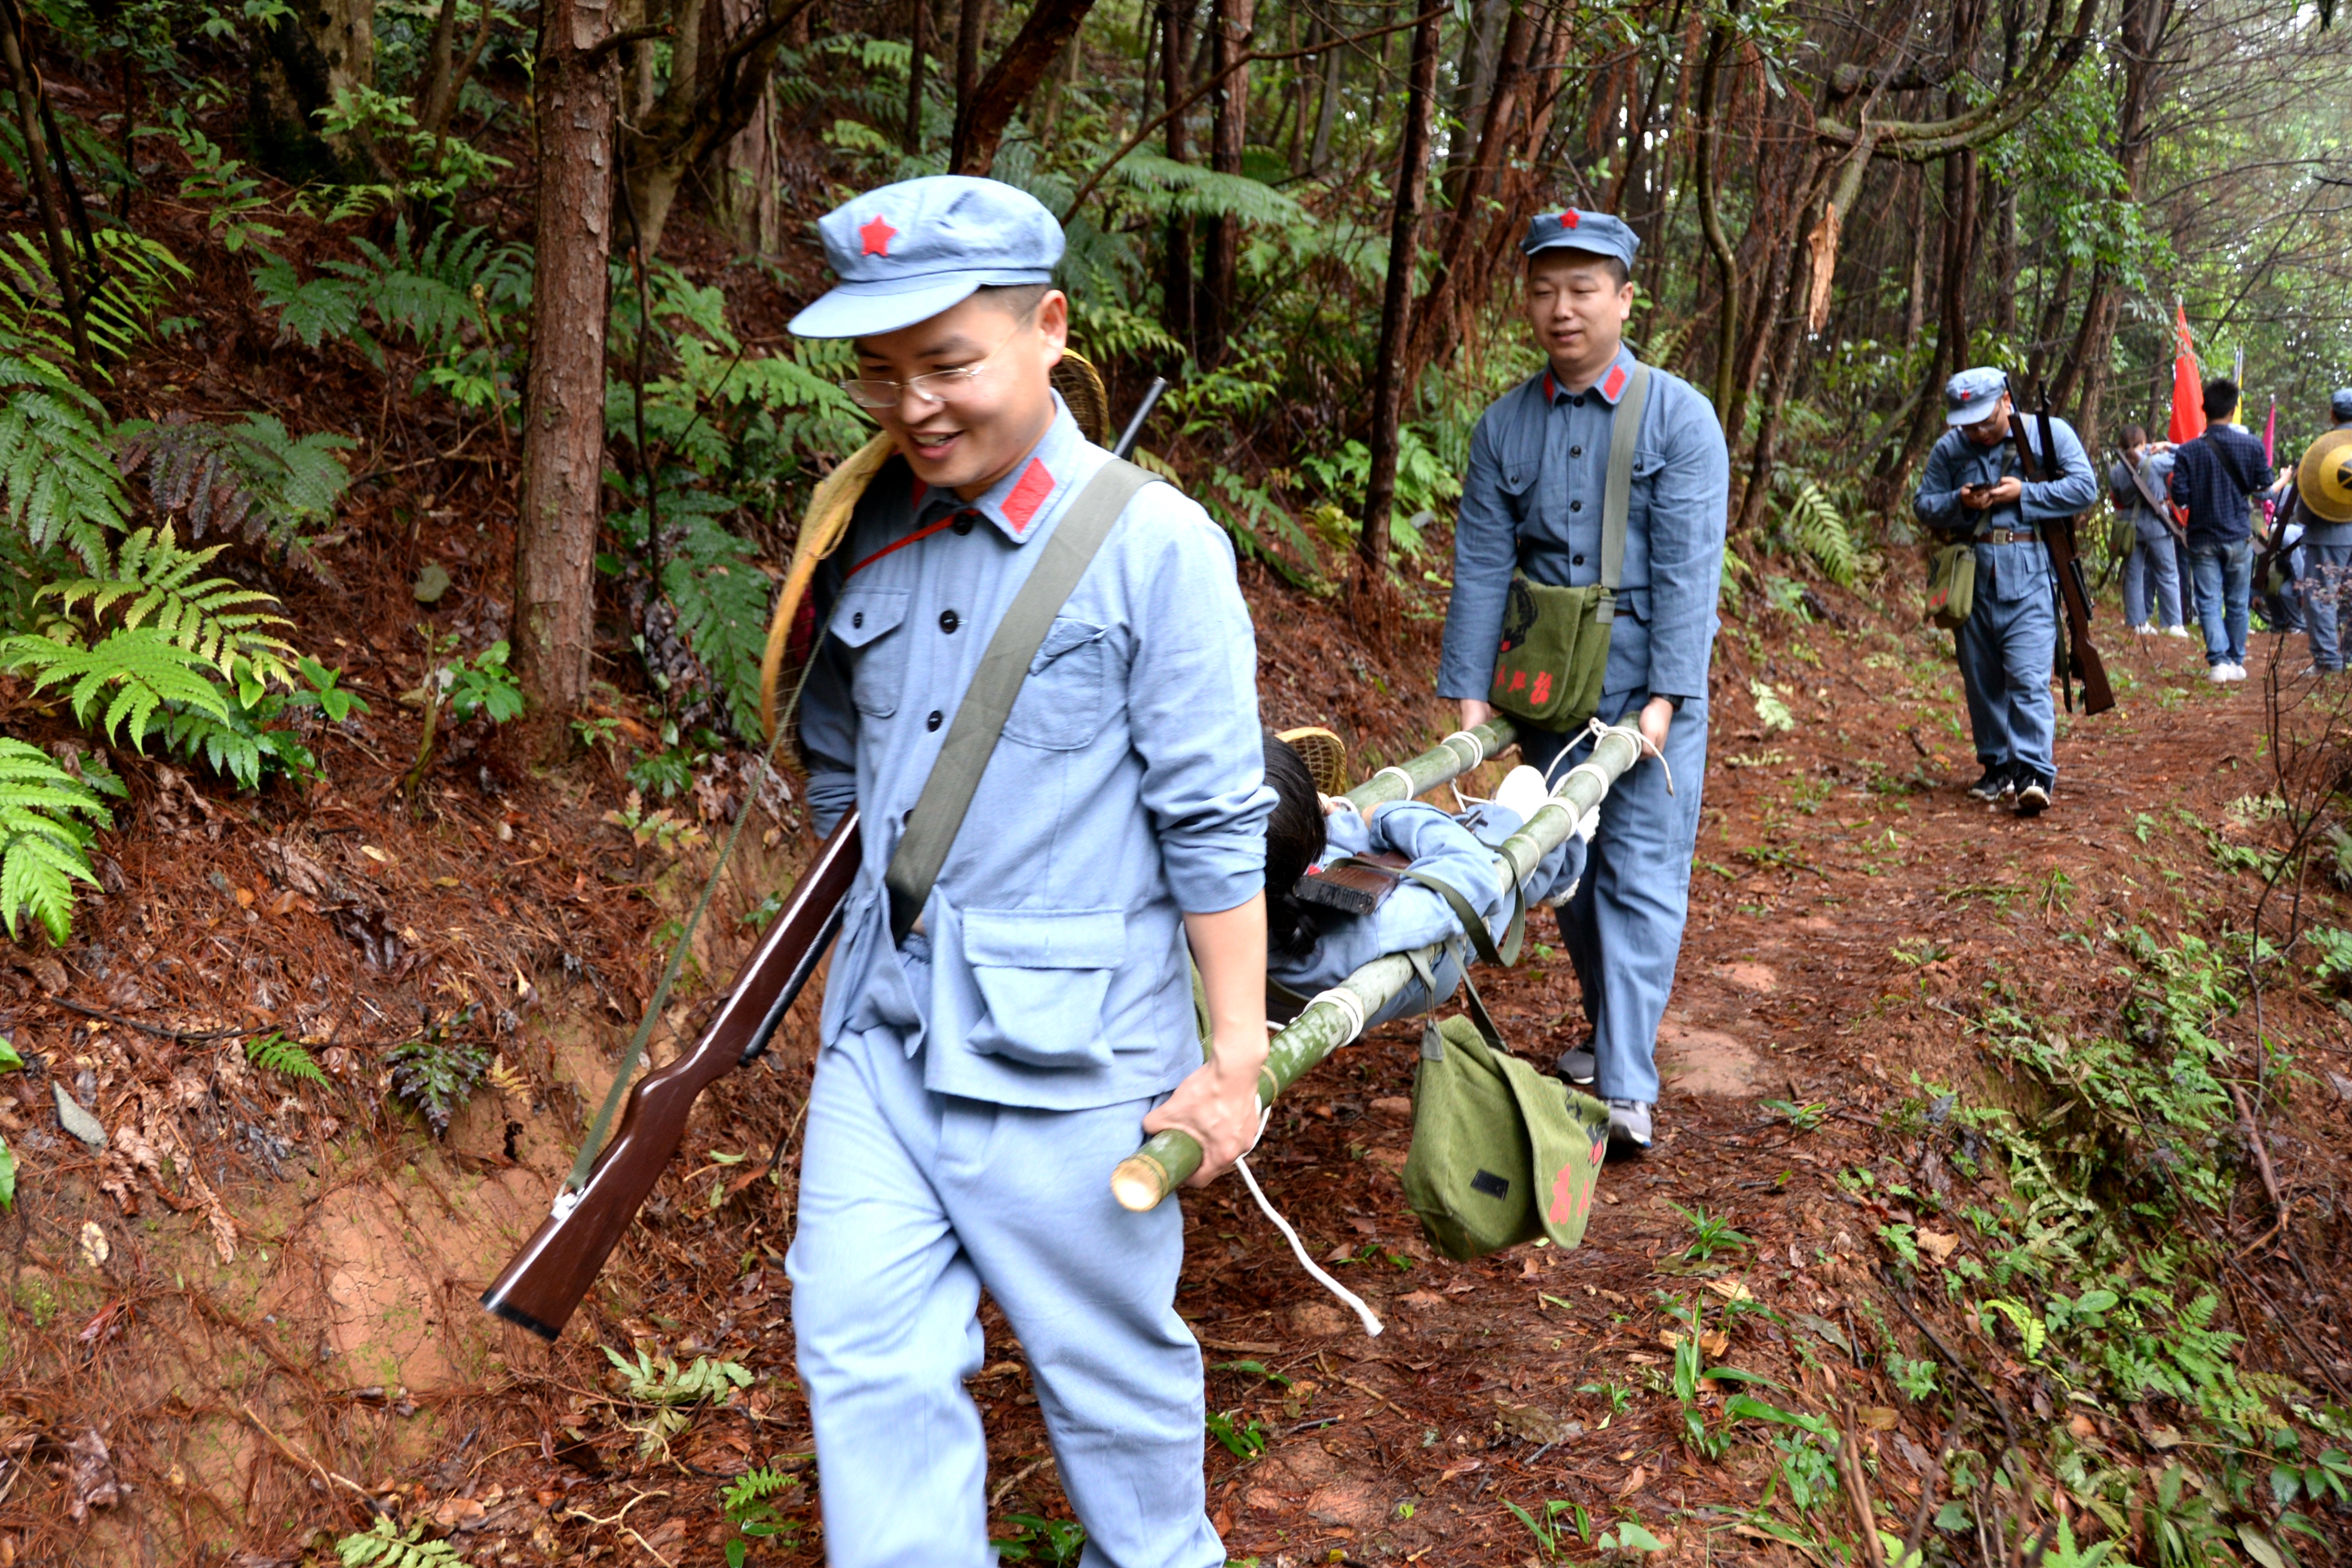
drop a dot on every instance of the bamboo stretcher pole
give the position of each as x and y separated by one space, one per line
1162 1164
1446 761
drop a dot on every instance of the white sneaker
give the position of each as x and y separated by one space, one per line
2144 629
1522 793
2219 674
2177 632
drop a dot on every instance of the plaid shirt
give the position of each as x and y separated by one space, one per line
2214 477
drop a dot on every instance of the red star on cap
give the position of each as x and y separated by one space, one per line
877 234
1568 219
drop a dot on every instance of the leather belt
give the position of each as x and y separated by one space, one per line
2008 536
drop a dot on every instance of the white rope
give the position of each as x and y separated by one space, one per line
1477 747
1403 778
1342 998
1297 1249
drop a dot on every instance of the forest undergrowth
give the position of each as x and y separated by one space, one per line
1995 1219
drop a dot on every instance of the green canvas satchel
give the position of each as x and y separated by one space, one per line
1501 1152
1952 585
1555 647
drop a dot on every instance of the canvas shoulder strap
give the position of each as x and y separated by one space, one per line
971 738
1617 496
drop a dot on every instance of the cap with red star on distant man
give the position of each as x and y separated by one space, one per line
906 252
1575 228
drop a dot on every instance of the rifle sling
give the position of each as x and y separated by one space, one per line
972 739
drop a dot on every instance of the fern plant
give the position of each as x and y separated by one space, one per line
435 1073
288 1058
139 274
58 483
382 1545
253 477
1814 520
752 1509
47 818
429 293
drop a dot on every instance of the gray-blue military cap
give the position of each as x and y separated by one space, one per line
1575 229
1971 396
906 252
2339 403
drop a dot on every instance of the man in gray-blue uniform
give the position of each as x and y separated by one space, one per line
2326 567
1974 485
2152 571
978 1080
1531 501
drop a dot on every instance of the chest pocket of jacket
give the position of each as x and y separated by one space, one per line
1045 974
1515 477
1060 707
867 622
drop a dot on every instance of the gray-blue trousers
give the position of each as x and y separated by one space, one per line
2152 571
2326 578
2007 650
1625 925
911 1202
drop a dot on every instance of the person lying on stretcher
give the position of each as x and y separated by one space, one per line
1312 944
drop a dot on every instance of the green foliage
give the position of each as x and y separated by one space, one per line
1562 1520
1710 1234
483 686
382 1545
1804 1118
47 819
58 482
1242 1435
325 693
711 578
429 294
658 1380
288 1058
1771 708
751 1506
7 1178
1057 1542
1818 527
435 1073
140 275
252 478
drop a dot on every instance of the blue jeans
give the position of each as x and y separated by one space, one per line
2325 580
2224 578
2152 572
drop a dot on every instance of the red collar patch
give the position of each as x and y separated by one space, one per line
1550 391
1613 383
877 234
1022 503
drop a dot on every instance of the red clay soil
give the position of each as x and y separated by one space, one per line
1850 910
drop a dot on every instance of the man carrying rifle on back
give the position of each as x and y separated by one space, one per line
1001 1032
2152 571
1992 479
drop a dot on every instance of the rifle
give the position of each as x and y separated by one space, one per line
544 1284
2078 660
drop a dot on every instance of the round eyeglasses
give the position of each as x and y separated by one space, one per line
929 389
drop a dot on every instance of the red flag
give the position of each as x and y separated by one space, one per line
2269 435
2188 420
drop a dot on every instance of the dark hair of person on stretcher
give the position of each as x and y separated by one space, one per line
1293 841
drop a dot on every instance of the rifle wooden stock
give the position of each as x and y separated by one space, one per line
541 1287
2083 663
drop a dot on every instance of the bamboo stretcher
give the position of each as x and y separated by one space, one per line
1168 1158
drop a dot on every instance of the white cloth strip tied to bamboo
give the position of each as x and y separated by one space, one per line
1163 1163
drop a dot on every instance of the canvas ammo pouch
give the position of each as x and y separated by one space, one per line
1502 1153
1555 647
1952 585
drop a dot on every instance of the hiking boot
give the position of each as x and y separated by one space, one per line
2034 796
1579 1067
1629 1126
1996 783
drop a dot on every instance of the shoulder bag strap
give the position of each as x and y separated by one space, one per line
1617 497
971 738
1473 928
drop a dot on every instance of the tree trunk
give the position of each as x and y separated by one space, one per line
1176 282
1396 308
42 176
563 409
1914 302
918 44
1012 81
1467 218
972 37
1234 21
307 55
1326 111
1709 174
